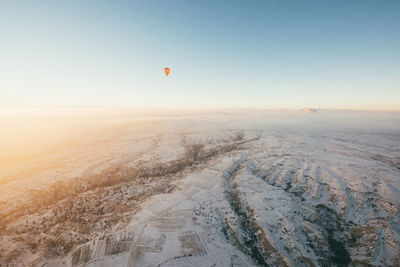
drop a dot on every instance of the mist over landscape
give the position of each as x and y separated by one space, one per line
104 187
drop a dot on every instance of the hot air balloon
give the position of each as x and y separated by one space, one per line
166 71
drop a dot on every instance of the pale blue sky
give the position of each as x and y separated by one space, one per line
264 54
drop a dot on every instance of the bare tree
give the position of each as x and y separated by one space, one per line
194 151
238 136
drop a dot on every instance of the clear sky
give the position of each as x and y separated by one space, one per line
263 54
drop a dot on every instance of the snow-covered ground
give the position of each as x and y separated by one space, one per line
226 188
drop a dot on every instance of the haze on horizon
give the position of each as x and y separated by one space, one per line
263 54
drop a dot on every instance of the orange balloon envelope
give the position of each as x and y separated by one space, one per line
166 70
